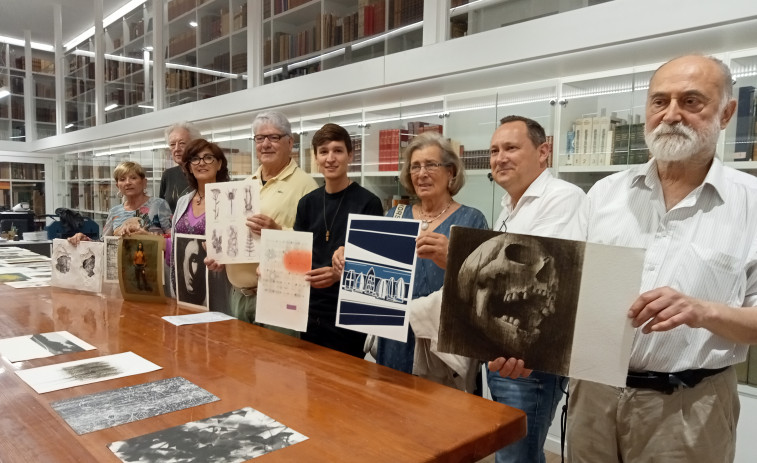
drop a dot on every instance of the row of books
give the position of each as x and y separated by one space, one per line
115 70
280 6
404 12
480 159
288 46
180 79
371 17
605 140
82 66
44 90
177 8
38 65
746 125
182 43
76 87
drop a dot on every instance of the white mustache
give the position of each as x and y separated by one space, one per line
677 129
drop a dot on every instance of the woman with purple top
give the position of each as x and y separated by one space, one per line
203 162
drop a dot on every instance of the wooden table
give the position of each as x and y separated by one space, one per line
352 410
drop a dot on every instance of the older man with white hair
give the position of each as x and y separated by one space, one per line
697 220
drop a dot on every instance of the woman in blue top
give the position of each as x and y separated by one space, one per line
138 212
434 173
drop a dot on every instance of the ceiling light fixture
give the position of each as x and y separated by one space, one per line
68 126
193 23
111 105
4 91
107 21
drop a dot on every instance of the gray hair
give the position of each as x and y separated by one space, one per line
193 132
273 118
726 76
448 155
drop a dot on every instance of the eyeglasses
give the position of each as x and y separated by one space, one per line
430 167
273 138
206 159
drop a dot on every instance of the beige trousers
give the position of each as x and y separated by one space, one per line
609 424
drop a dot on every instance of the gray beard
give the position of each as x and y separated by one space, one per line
679 142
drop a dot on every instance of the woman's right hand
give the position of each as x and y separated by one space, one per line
212 265
337 260
77 238
509 367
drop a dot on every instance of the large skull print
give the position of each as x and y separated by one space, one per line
512 282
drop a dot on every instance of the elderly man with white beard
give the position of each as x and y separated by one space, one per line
695 316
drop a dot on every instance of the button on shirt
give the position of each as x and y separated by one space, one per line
549 207
705 247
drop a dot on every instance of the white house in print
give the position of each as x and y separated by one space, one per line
368 283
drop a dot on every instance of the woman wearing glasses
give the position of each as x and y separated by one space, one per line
434 173
203 162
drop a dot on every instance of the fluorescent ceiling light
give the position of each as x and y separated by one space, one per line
193 23
22 43
4 91
68 126
145 106
107 21
111 106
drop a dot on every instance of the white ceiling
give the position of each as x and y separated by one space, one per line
17 16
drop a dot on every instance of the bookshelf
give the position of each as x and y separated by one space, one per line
128 81
79 85
205 49
22 182
301 37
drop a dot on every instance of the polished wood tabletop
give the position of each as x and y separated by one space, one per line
352 410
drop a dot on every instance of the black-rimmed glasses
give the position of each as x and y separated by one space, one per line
205 159
273 138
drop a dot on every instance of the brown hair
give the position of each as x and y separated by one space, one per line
331 132
194 148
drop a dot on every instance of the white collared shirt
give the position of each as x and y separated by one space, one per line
704 247
549 207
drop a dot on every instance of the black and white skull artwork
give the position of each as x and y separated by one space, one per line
512 281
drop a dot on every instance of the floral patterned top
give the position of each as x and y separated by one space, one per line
146 214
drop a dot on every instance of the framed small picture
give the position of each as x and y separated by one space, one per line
140 267
190 271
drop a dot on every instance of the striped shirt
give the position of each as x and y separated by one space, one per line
705 247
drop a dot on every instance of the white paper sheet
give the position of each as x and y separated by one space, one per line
603 334
378 275
227 206
77 267
195 318
70 374
283 294
21 348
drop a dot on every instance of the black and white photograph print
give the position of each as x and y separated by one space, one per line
232 437
69 374
377 280
77 267
191 273
106 409
511 295
111 259
40 345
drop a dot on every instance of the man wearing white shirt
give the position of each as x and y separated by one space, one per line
697 220
535 203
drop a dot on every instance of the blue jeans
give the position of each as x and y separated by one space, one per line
538 395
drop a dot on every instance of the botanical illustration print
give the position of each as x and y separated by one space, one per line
230 204
127 404
232 437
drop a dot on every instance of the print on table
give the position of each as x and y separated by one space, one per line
40 345
226 226
231 437
87 371
77 267
377 280
127 404
191 273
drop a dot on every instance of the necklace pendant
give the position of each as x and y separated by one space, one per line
327 235
424 225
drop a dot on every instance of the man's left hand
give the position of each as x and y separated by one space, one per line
258 222
322 277
666 308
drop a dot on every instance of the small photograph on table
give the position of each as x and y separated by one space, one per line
34 346
140 267
231 437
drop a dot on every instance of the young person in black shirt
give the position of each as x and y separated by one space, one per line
324 212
